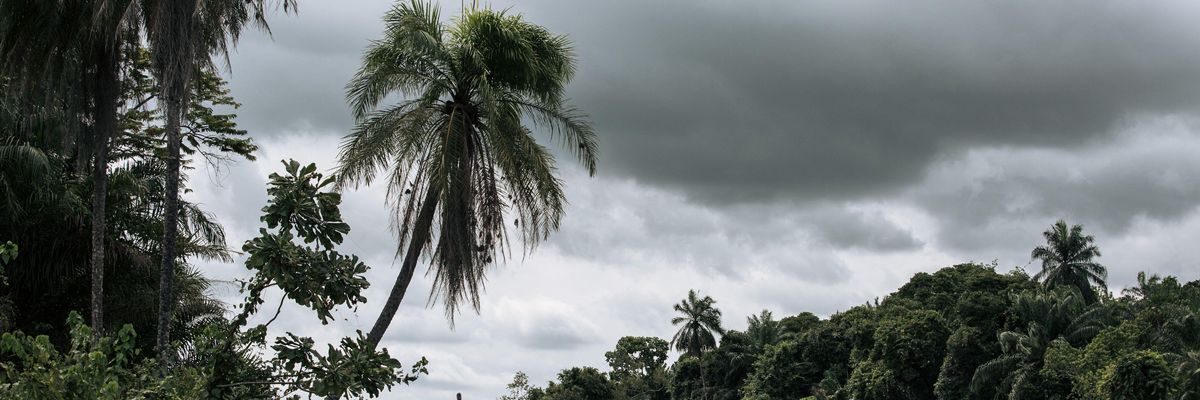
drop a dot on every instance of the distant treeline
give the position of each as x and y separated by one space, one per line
963 332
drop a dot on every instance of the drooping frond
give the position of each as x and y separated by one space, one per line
396 135
411 60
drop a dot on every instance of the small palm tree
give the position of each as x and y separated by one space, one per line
700 321
1046 317
1067 260
1187 369
461 158
763 329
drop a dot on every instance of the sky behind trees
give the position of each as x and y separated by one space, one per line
798 156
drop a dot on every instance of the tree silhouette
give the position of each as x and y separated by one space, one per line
700 321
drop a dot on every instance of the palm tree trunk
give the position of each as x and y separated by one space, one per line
175 51
420 235
166 277
107 92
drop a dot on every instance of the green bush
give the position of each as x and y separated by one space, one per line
1141 375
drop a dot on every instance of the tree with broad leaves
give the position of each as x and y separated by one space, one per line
295 253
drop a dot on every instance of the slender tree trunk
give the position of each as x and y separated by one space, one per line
107 92
420 235
166 277
176 55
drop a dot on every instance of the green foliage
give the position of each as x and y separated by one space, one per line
636 356
520 389
1187 371
687 380
912 345
856 327
44 185
580 383
44 210
796 325
873 380
1044 317
8 252
763 329
1142 375
108 368
943 289
966 349
963 332
206 130
724 369
354 367
315 277
782 371
318 278
718 374
639 368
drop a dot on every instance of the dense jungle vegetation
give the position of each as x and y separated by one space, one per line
105 107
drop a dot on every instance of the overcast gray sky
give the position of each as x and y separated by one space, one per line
779 154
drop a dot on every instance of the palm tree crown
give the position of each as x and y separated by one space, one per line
700 321
459 156
763 329
1067 260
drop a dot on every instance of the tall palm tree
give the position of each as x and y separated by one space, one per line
700 321
64 43
183 36
1067 260
461 159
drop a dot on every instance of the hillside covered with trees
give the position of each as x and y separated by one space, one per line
962 332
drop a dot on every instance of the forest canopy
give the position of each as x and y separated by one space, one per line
962 332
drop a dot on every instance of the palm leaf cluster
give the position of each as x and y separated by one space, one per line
763 329
73 89
1068 260
1187 369
1045 317
45 212
699 324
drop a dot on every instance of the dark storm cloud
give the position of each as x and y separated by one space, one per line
295 79
753 101
738 101
865 231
